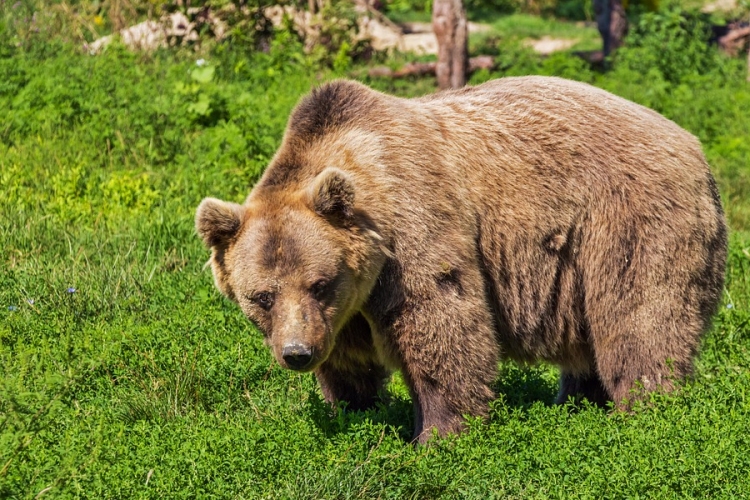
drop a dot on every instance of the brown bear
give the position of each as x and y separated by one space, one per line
528 218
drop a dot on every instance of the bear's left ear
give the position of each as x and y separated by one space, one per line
332 194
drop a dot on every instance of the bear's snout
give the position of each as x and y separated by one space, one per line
297 356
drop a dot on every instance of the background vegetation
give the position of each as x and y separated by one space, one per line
124 374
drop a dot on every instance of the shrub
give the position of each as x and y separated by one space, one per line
669 44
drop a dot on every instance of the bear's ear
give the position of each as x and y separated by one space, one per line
332 194
218 221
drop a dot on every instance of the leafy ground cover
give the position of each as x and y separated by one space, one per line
124 374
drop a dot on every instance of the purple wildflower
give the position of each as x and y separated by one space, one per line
71 290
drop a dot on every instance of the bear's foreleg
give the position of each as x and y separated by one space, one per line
587 386
359 386
448 355
352 373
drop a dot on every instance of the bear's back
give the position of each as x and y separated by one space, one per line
566 124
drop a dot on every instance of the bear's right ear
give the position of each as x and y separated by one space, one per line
218 221
332 194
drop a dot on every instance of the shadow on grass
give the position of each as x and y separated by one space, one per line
391 410
520 386
524 385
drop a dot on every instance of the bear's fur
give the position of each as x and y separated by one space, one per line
528 218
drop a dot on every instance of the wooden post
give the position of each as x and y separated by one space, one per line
451 29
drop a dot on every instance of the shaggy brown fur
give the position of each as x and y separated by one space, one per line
531 218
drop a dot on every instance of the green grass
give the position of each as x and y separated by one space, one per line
410 16
145 383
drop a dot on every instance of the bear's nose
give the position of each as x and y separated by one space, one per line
296 356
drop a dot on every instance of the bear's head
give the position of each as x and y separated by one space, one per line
299 264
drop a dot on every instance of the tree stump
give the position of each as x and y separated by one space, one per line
451 30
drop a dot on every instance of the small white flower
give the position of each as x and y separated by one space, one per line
200 62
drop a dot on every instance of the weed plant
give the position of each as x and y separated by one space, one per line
124 373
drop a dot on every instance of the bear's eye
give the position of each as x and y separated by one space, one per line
320 289
263 299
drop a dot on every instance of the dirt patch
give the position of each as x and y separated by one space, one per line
547 45
720 6
419 39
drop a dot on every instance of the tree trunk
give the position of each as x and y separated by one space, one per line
451 30
618 26
612 23
315 6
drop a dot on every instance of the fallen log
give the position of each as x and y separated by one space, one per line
427 68
735 40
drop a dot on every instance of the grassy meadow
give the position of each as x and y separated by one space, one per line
125 374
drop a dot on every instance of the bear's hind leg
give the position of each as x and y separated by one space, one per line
650 288
644 343
587 386
352 373
630 368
